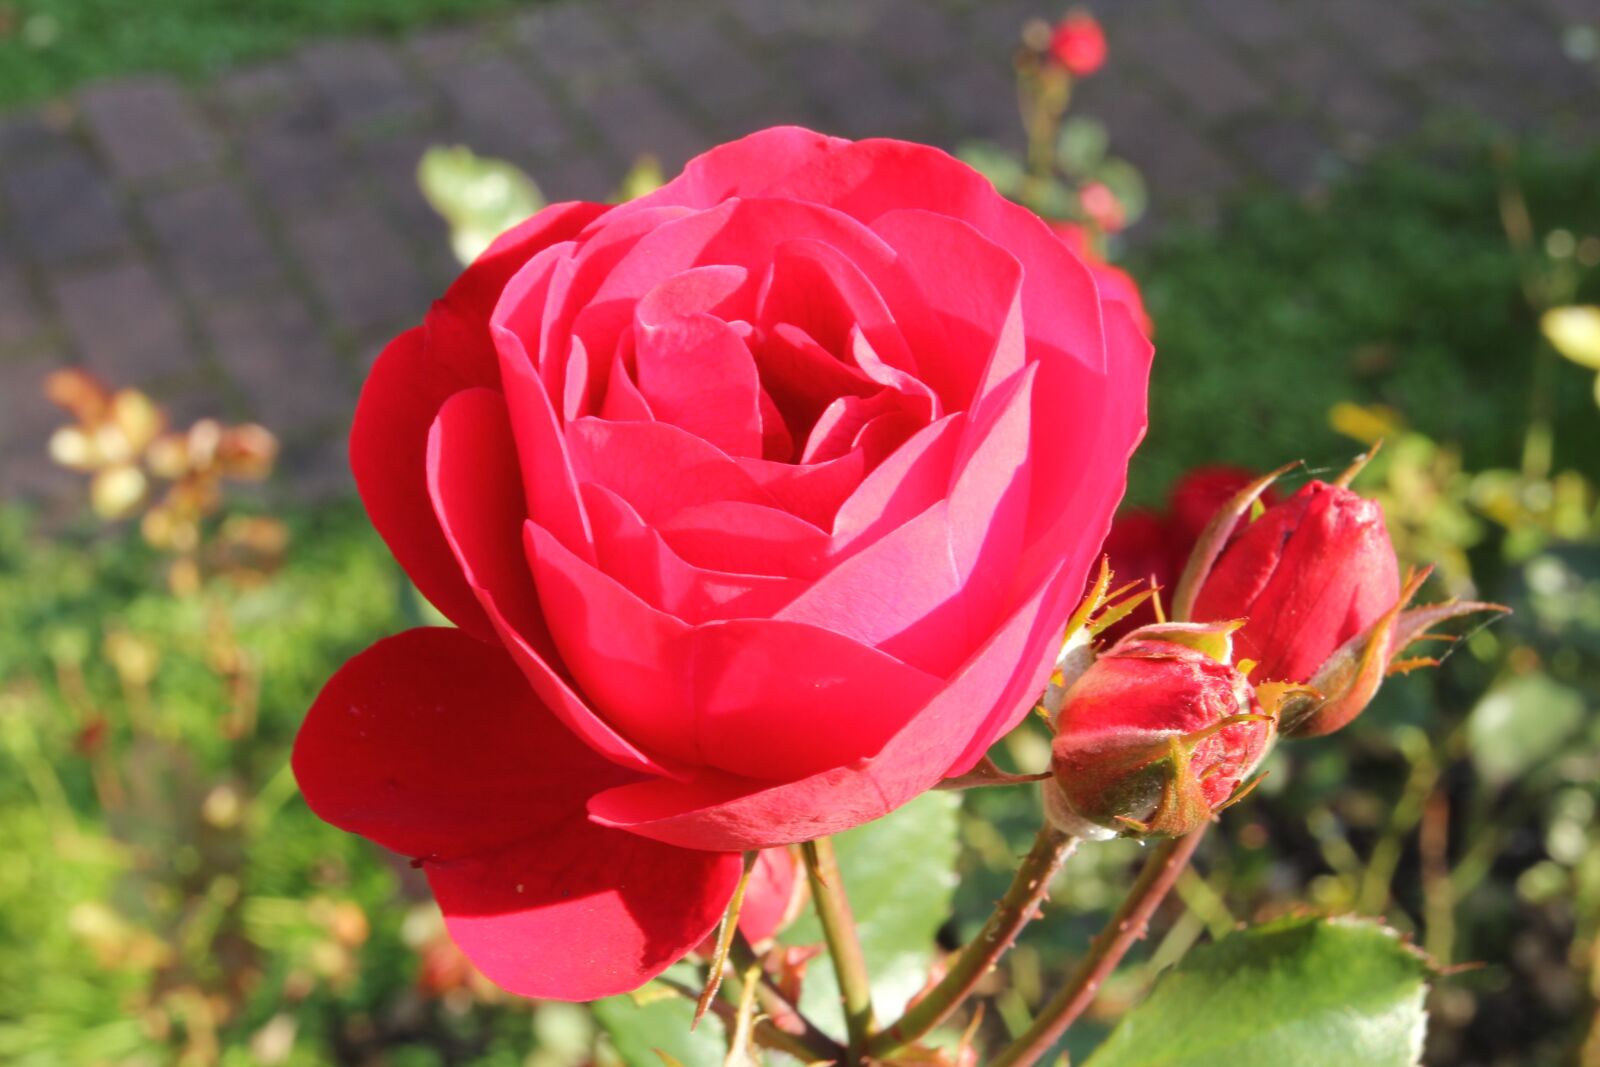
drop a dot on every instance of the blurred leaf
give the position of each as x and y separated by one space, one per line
1082 145
1294 993
645 1025
899 872
1521 722
1001 167
480 198
1125 181
1575 333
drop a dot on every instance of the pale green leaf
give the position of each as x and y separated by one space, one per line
1082 145
645 1025
1300 992
478 197
1521 722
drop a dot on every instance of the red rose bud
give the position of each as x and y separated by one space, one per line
1310 574
1157 735
1078 44
1346 683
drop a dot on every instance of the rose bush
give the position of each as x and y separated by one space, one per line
759 502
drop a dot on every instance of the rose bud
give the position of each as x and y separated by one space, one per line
1078 44
1309 574
1157 735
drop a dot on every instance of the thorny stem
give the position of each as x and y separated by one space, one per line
784 1014
1015 910
844 946
766 1032
1128 925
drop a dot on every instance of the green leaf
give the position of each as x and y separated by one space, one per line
1001 167
1125 181
1294 993
1082 145
1520 723
480 198
654 1022
900 875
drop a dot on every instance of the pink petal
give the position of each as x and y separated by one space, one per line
637 557
429 743
748 539
746 167
999 682
959 299
471 465
388 442
908 482
548 478
698 375
656 467
813 286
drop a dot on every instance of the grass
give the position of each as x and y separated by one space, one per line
1398 288
50 46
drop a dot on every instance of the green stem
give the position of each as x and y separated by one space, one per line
1128 925
783 1013
844 946
1015 910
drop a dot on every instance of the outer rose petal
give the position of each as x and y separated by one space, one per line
430 743
1007 673
411 378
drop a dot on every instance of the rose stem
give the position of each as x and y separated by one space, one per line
1128 925
1015 910
766 1031
778 1007
844 946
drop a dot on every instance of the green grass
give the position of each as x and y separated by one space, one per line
1398 288
50 46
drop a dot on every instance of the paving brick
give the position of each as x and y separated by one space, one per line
146 127
976 101
635 120
361 268
1180 166
915 32
447 44
1287 150
499 111
858 97
1394 37
1522 56
26 423
213 238
124 323
294 155
64 209
1257 24
1211 81
365 82
31 135
246 90
577 172
289 372
573 46
316 468
21 319
721 74
391 167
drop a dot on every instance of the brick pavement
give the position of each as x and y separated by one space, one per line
245 246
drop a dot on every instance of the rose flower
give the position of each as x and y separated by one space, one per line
759 504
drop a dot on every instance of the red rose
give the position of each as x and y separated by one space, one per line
1310 574
1078 44
1146 545
1150 739
760 502
1114 282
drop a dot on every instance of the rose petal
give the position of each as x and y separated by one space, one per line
657 468
698 375
732 535
472 478
429 743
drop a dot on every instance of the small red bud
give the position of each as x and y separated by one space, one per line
1078 44
1157 734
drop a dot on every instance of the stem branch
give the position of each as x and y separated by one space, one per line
1015 910
844 946
1128 925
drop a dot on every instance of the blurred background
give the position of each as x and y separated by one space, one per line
1352 221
